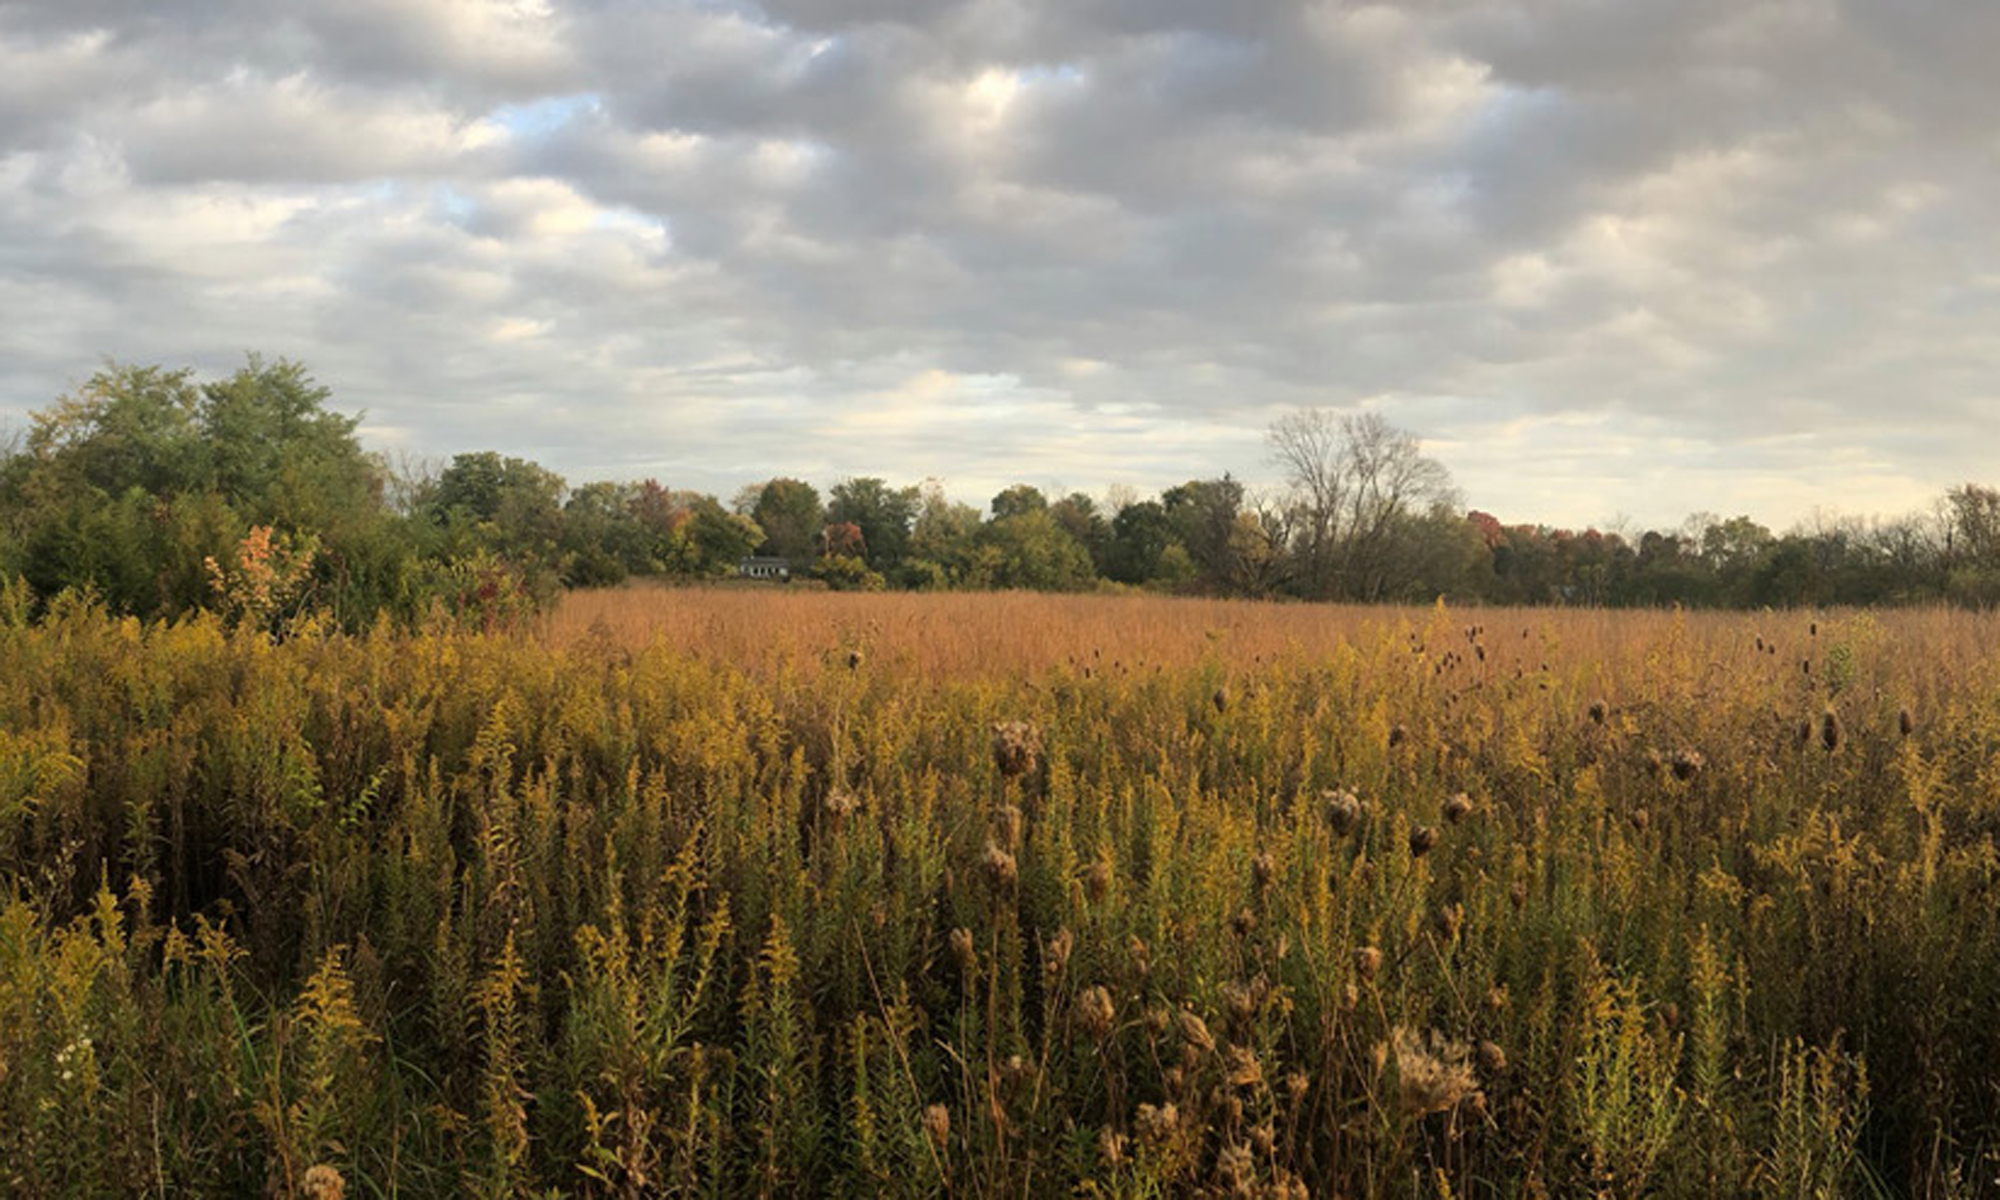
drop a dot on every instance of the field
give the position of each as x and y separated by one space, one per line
739 892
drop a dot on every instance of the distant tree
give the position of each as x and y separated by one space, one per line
1203 516
1080 518
1030 550
882 513
1019 500
1140 534
790 514
1357 481
943 541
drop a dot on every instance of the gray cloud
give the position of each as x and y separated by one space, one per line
1609 258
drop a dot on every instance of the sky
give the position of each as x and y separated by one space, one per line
1613 261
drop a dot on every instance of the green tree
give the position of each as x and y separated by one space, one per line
882 513
790 514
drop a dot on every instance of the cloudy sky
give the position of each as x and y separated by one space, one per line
1608 257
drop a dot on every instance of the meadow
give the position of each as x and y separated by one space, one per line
756 893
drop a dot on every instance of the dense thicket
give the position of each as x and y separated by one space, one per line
1542 905
248 494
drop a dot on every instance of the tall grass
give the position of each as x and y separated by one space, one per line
717 893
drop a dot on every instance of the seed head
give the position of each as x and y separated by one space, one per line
1097 881
1598 711
1244 923
1397 735
1111 1145
1142 961
937 1126
1432 1074
1343 811
1220 699
1243 1069
1423 839
1457 807
1906 721
1158 1123
1641 820
1367 961
1492 1059
323 1182
962 952
1450 919
1194 1031
1096 1011
1830 730
1262 868
1000 868
1017 747
854 660
1056 956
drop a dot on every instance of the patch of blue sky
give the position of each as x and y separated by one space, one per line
539 118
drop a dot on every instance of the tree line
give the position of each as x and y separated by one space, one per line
159 494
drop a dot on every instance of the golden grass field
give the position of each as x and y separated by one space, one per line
753 892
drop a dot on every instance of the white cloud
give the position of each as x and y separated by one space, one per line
1607 258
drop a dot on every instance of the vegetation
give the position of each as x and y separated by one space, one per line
983 896
136 482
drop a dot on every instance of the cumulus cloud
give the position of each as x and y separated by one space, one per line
1606 257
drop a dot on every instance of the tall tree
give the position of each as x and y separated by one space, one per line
882 513
790 514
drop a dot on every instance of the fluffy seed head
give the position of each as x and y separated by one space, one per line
1000 868
937 1126
1017 747
1056 956
1423 839
962 952
1367 961
323 1182
1457 807
1097 881
1687 764
1194 1031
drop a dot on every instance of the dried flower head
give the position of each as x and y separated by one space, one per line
1398 735
840 804
1367 961
1141 958
1157 1123
1432 1074
1457 807
854 660
323 1182
1423 839
1244 923
1263 868
1194 1031
1492 1059
1906 721
1687 764
1517 895
1450 919
962 952
1111 1146
1343 811
1017 747
1096 1011
1598 711
1000 868
1055 956
937 1126
1241 1068
1830 730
